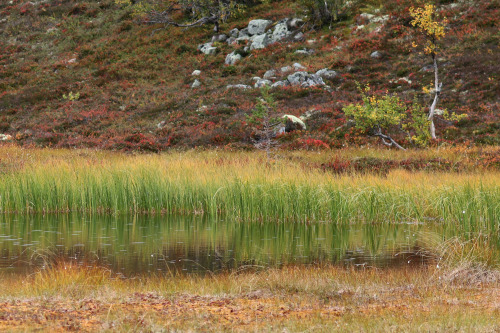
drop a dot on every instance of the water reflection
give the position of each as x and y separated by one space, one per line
135 245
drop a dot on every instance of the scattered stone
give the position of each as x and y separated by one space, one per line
283 83
196 84
230 40
298 67
367 16
260 42
238 86
261 83
243 33
295 23
376 55
234 33
328 74
232 58
196 72
299 36
270 74
258 27
293 123
380 19
311 41
207 48
280 32
161 124
305 79
219 38
286 69
72 61
304 51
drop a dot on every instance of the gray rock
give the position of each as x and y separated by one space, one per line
234 33
279 84
243 33
293 123
196 72
304 51
299 36
232 58
298 67
219 38
280 32
427 68
367 16
380 19
196 84
261 83
305 79
260 42
328 74
376 55
238 86
230 40
270 74
207 48
258 27
309 114
295 23
161 124
286 69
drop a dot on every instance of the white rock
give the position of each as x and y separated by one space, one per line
286 69
376 55
5 137
232 58
196 84
238 86
261 83
298 67
270 74
328 74
257 27
280 32
260 42
196 72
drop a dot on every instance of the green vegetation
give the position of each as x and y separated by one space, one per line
241 186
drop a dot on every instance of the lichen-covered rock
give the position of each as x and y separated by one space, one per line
259 42
196 84
280 32
196 72
270 74
298 67
293 123
219 38
258 27
327 74
279 84
232 58
234 33
238 86
207 48
305 79
376 55
261 83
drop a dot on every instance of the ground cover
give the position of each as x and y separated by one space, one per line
133 87
293 299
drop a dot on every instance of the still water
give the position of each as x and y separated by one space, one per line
132 245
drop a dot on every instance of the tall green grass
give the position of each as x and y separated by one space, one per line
243 186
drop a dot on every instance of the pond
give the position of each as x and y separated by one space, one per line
134 245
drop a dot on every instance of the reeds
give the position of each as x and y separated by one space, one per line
243 186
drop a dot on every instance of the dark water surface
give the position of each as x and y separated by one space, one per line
144 244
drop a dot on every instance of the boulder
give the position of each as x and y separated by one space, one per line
238 86
280 32
270 74
327 74
196 84
258 27
279 84
261 83
219 38
293 123
207 48
295 23
298 67
234 33
232 58
305 79
376 55
286 69
244 33
259 42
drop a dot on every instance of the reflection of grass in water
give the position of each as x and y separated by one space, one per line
241 186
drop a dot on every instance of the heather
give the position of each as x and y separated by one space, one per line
89 74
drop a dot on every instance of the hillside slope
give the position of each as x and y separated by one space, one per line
131 88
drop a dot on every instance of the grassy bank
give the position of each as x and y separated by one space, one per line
245 186
324 299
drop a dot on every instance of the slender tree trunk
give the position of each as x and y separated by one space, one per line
437 88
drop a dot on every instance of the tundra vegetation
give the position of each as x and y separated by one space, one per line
113 108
